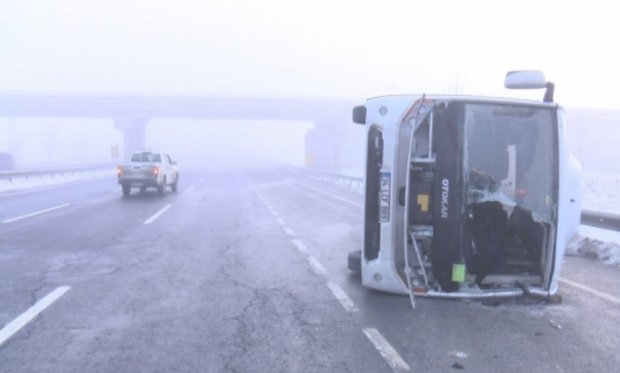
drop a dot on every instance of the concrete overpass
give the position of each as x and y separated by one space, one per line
131 113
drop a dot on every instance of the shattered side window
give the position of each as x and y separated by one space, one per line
509 155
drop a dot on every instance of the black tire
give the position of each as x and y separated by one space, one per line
160 188
354 261
175 185
126 190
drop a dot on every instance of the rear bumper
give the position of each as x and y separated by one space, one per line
135 182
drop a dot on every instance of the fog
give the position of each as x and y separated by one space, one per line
194 143
214 143
346 50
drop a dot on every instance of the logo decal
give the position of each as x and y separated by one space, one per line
445 188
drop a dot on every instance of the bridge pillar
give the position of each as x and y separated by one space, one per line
324 143
134 134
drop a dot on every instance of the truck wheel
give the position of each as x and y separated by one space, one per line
126 190
354 261
160 188
175 184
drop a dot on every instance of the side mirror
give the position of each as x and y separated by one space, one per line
359 114
527 79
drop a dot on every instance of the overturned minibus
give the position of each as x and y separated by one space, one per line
466 197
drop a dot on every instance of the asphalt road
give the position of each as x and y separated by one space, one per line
244 270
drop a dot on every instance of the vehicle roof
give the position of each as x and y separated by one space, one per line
468 98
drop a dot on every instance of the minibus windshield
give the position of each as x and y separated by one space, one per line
509 157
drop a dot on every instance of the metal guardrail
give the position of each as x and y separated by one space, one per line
61 171
591 218
350 182
600 219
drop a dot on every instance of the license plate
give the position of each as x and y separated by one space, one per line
384 197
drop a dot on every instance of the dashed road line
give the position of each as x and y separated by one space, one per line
189 190
342 297
389 354
332 195
288 231
316 266
14 326
157 214
386 350
595 292
300 246
36 213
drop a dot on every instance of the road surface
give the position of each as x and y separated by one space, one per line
244 270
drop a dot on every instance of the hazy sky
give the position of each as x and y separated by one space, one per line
329 48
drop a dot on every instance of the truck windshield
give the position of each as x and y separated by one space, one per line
509 157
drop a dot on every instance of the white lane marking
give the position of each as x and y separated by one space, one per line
332 195
386 350
300 246
342 297
35 213
157 214
599 294
189 190
316 266
288 231
32 312
271 209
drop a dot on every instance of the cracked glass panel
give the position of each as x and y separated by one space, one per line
509 157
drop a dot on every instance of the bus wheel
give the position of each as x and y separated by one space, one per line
354 261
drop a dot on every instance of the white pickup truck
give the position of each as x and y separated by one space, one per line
148 169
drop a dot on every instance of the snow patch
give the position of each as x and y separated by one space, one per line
586 245
600 191
45 180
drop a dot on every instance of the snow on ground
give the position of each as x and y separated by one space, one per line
600 192
32 182
596 243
